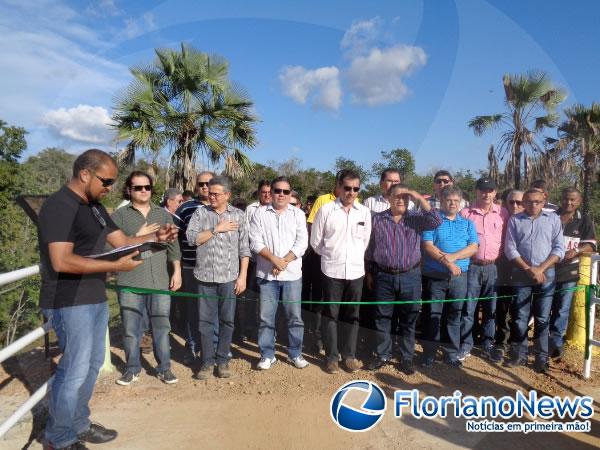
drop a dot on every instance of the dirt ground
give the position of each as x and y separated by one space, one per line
289 408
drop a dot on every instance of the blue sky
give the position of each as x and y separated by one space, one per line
329 79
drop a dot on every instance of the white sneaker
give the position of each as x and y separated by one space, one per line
266 363
299 362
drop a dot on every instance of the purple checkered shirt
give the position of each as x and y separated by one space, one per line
398 245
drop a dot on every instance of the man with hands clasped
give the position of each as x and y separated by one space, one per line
279 237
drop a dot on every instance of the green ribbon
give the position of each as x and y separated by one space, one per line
137 290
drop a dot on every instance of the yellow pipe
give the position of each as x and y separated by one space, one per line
576 330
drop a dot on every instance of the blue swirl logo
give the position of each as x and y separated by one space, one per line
358 419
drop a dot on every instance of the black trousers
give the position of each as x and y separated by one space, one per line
339 290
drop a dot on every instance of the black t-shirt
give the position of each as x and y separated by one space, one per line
65 217
579 231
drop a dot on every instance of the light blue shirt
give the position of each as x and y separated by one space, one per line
451 236
534 239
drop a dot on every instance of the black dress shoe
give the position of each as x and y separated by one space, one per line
406 366
377 364
97 434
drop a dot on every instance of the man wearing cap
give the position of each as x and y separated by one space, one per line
490 222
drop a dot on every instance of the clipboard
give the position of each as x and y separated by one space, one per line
146 250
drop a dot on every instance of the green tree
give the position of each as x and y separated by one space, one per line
581 133
398 158
47 171
185 102
345 163
18 243
530 101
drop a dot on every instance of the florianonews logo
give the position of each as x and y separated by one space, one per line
358 419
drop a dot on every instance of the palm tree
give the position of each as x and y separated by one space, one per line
530 101
184 101
580 132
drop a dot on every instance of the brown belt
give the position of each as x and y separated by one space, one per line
483 262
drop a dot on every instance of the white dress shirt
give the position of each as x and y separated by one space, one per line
280 234
378 203
341 239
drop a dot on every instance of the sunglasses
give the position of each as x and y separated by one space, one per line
215 194
515 202
140 188
98 217
443 181
202 183
351 188
293 204
282 191
106 182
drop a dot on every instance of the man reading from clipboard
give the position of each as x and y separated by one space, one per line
73 224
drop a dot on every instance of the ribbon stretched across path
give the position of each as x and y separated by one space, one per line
137 290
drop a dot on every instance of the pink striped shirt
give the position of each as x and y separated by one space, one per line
490 228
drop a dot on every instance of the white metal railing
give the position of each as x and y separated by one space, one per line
19 344
591 314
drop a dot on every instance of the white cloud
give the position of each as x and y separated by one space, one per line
321 86
83 123
378 78
361 36
104 8
137 27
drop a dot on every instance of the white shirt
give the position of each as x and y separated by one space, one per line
280 234
379 203
250 210
341 239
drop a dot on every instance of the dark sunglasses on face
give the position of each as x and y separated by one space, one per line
351 188
515 202
140 188
443 181
282 191
202 183
293 204
106 182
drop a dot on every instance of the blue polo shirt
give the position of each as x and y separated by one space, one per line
449 237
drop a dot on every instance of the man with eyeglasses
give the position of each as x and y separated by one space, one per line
73 223
187 307
513 203
279 238
220 233
394 260
448 250
490 223
441 179
152 275
340 234
534 244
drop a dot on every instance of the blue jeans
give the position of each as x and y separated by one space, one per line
538 300
192 335
271 292
481 282
559 317
216 314
81 332
158 307
440 289
388 287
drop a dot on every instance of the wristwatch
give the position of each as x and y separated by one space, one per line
214 231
